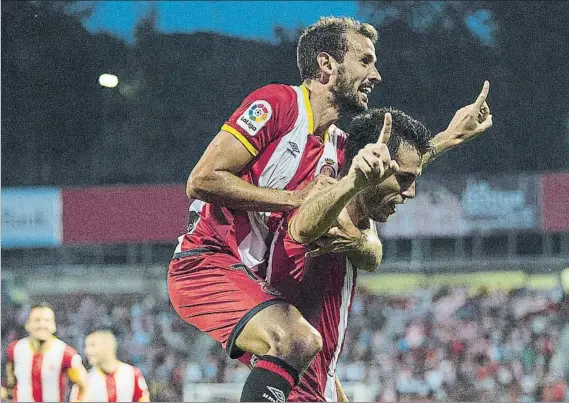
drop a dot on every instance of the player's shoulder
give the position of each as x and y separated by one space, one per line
11 348
19 343
276 94
128 367
60 343
14 343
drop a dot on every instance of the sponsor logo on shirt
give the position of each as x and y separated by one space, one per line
254 118
293 149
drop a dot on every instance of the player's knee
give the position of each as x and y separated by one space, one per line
298 345
313 341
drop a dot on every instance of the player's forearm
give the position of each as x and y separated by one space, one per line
228 190
319 212
368 255
10 376
442 142
340 391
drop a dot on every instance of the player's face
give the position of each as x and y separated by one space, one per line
41 324
357 75
381 201
94 349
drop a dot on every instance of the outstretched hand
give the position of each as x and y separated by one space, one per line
471 120
373 164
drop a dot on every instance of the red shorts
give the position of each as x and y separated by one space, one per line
218 294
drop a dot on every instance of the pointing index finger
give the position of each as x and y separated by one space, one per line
482 97
386 130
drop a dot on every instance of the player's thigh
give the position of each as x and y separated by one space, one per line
274 327
217 294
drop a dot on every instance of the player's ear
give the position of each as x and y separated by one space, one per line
327 66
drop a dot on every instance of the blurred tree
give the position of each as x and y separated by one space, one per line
434 57
51 103
191 83
60 127
533 39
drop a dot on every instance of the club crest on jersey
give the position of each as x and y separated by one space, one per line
254 118
328 168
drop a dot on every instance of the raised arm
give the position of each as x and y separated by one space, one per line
319 212
467 123
214 179
264 117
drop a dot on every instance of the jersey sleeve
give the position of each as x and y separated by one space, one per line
10 351
71 359
140 386
265 115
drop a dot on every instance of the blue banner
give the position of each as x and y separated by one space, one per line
31 217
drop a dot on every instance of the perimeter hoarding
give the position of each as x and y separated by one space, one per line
459 206
31 217
124 214
555 201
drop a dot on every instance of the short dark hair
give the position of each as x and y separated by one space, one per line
365 129
42 304
327 35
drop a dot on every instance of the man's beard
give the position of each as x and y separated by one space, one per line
345 96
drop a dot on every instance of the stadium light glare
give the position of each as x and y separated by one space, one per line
108 80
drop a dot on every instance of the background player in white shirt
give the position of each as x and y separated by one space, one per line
111 380
39 365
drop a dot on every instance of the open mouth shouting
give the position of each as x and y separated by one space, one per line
365 90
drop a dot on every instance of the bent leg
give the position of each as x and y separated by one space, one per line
281 331
285 344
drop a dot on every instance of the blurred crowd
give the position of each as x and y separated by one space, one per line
444 345
430 345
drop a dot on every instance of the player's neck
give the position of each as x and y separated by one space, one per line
40 346
324 112
109 366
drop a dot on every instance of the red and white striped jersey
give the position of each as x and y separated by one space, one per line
322 288
126 384
41 376
275 124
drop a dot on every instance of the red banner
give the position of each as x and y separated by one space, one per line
555 201
123 214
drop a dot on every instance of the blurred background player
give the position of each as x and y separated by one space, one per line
37 365
111 380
